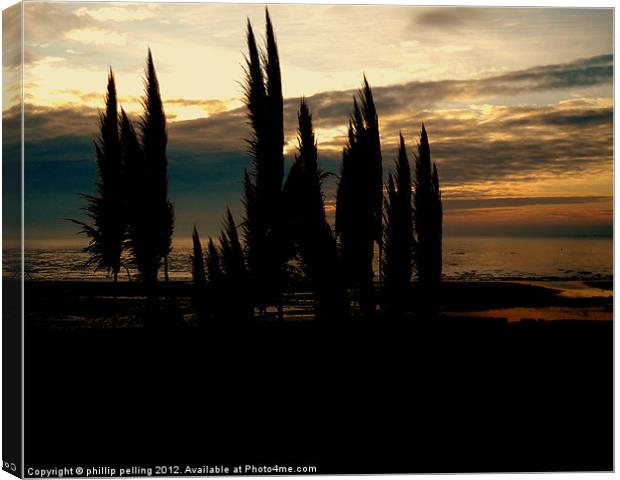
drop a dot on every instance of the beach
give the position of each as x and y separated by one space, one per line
67 305
470 390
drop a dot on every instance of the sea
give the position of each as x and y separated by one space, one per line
464 259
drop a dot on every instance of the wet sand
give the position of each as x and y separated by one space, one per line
71 305
568 300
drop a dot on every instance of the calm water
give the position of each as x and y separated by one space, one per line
465 258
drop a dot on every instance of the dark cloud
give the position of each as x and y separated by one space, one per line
447 17
216 134
526 144
580 73
478 203
53 20
330 106
578 117
42 124
509 143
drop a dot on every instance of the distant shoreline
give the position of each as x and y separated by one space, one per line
594 282
464 259
185 243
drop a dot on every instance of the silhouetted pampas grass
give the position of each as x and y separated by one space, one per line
236 285
105 209
197 258
131 208
158 212
428 218
281 223
263 182
398 235
360 197
308 227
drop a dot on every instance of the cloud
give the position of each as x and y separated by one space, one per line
589 72
582 72
45 123
216 134
473 142
53 20
483 203
47 24
448 17
11 35
96 36
520 142
124 13
331 109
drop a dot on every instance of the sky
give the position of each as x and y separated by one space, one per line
517 102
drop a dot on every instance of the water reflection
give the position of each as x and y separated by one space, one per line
465 258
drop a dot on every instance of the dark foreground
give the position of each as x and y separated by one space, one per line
447 395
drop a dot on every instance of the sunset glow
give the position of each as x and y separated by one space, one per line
518 103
